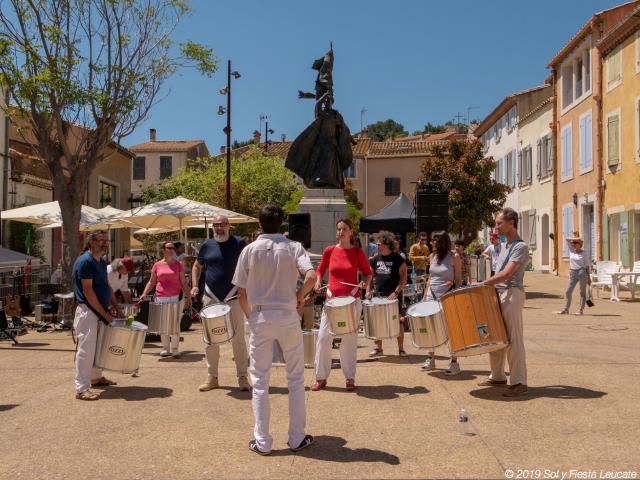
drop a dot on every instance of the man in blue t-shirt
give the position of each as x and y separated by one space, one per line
220 256
94 297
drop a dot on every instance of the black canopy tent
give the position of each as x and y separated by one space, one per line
396 217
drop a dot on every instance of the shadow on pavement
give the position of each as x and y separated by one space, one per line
135 394
387 392
533 295
8 406
464 374
562 392
329 448
188 356
33 345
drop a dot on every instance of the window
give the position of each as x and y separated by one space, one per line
575 77
547 156
613 140
107 195
586 157
532 228
351 171
139 168
165 167
614 69
567 165
525 166
567 228
510 170
392 186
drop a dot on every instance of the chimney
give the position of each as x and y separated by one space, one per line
152 134
223 149
256 137
283 136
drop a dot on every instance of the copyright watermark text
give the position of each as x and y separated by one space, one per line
547 473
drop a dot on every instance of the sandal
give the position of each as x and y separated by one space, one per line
103 382
87 395
350 385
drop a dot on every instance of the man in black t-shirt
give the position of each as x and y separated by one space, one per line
389 278
219 256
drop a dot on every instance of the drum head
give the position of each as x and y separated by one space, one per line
379 301
339 301
139 326
215 310
424 309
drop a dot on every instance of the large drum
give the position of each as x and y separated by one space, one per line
217 326
474 320
164 318
65 308
381 318
342 315
119 346
428 327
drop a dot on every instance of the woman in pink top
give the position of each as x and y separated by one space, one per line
343 262
167 276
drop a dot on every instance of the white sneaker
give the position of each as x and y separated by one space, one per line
164 353
430 364
454 369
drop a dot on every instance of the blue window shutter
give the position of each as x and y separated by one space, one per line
569 152
583 152
588 142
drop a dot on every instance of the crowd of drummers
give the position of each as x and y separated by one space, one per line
266 283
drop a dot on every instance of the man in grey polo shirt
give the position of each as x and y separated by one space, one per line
509 281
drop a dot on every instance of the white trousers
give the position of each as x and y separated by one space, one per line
511 302
85 325
170 343
238 342
289 335
348 348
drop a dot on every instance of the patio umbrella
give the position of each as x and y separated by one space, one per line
176 213
48 213
104 218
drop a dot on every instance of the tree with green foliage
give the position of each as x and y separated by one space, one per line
386 130
430 128
26 239
82 74
474 196
256 179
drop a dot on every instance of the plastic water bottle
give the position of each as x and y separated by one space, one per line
463 421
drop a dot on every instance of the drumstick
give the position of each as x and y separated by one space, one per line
350 284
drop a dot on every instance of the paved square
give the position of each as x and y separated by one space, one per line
581 412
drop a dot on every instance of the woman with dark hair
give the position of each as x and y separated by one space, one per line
343 261
167 276
445 274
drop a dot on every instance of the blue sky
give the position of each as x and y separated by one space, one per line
413 61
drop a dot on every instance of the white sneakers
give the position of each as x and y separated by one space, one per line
430 364
454 369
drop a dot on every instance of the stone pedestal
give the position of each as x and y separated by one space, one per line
326 206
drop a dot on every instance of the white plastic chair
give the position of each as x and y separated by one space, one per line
604 269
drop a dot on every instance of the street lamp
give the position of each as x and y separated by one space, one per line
221 111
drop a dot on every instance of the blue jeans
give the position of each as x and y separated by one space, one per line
576 276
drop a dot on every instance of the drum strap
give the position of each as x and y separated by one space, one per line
212 296
506 260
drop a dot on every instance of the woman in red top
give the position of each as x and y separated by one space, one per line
343 262
167 276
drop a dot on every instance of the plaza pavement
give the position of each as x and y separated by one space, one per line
581 412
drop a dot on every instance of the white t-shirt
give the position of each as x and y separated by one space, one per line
494 252
578 260
117 282
268 269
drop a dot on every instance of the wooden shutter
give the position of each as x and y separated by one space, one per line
532 228
612 141
539 159
520 155
588 142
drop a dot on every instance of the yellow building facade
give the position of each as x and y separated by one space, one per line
620 50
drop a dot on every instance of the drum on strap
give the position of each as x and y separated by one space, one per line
164 318
217 326
342 315
309 340
119 346
428 327
474 320
381 318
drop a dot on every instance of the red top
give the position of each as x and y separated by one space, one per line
169 282
343 264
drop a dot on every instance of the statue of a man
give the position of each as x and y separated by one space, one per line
322 152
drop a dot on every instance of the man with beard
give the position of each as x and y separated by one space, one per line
219 256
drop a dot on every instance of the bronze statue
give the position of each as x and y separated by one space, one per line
322 152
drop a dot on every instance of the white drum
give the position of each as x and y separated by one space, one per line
217 326
342 315
310 339
428 326
119 346
381 318
164 318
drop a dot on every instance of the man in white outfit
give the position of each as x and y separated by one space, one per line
266 277
509 281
